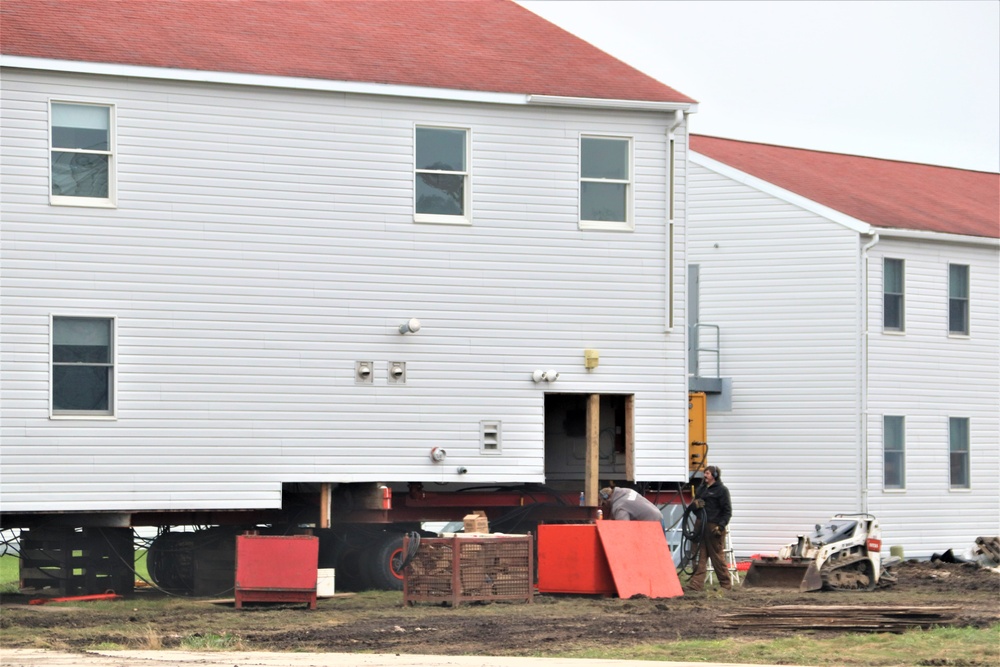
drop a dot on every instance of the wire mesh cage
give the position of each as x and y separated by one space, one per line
466 569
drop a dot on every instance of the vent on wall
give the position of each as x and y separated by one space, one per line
489 437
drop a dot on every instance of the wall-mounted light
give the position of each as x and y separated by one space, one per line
438 455
411 325
545 376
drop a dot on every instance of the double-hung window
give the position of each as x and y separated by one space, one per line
893 452
83 366
958 451
441 181
81 155
893 306
958 299
606 183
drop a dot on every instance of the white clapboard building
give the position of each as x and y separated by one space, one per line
249 246
845 318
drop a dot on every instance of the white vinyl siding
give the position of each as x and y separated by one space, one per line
264 244
781 283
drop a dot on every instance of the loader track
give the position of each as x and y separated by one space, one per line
848 573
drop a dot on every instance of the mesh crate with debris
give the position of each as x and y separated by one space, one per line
470 568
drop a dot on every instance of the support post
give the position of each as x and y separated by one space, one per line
592 469
324 505
630 438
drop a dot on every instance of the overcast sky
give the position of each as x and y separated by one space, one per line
905 80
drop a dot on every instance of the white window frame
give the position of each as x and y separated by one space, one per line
626 225
436 218
902 296
112 413
902 453
111 201
967 299
967 451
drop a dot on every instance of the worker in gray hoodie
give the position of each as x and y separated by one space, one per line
630 505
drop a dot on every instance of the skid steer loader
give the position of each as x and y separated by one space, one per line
841 554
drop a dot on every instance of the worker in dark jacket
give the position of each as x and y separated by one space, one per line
712 496
630 505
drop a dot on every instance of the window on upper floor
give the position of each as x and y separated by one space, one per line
606 183
81 154
83 366
958 299
893 452
893 305
441 175
958 451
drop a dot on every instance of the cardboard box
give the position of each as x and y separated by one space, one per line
476 522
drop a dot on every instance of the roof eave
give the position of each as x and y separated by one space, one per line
594 102
326 85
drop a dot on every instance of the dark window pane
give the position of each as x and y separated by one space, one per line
959 470
958 316
893 314
84 388
604 158
440 149
893 278
894 470
85 126
958 281
603 201
79 175
81 340
441 194
80 137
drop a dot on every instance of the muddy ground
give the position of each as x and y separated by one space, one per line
966 594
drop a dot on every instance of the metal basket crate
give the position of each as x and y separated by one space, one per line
466 569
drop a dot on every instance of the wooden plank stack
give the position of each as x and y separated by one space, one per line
841 617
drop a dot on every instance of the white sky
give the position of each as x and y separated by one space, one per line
905 80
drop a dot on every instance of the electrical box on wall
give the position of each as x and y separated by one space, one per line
397 372
364 372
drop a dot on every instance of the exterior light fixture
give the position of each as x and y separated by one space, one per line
544 376
412 325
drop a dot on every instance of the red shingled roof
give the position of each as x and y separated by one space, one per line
481 45
883 193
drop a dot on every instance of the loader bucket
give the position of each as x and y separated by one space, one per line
774 573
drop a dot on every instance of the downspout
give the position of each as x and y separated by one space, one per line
679 117
864 371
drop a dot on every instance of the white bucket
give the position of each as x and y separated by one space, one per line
324 582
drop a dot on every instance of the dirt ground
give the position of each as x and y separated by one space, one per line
380 622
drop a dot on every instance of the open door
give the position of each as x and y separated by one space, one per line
567 438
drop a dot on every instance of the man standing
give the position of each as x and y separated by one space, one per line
712 496
630 505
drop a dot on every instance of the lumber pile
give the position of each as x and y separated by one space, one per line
841 617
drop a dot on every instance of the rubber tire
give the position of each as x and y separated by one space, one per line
386 553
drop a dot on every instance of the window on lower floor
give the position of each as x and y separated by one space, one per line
893 306
893 452
82 366
605 183
81 154
441 181
958 299
958 449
